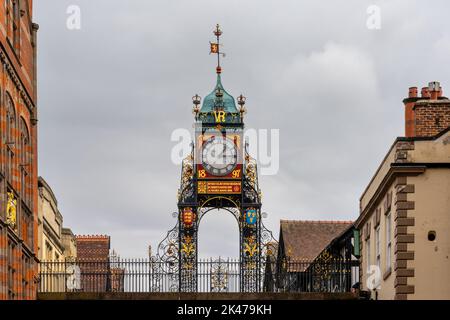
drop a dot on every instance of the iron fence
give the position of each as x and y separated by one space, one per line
219 275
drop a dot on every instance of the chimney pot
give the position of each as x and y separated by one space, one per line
425 92
434 88
412 92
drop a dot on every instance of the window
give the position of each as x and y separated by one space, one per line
9 23
49 251
377 246
13 23
16 25
368 254
11 271
388 242
25 162
27 227
10 133
431 235
25 283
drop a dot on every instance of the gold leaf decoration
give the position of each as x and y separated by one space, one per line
11 211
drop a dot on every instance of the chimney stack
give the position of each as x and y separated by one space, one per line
427 115
409 112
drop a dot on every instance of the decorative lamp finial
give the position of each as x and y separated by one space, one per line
241 102
196 100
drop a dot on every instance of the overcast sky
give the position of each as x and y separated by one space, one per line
111 93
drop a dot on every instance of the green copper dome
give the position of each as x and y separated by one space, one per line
225 103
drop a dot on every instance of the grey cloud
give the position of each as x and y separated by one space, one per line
111 94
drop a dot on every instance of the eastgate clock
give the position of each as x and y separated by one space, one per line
219 156
219 174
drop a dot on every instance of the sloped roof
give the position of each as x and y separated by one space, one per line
210 100
305 240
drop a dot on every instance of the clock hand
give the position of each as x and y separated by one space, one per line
224 152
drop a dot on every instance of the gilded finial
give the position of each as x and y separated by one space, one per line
217 32
215 48
196 101
241 102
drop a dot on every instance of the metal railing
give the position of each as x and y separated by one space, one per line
220 275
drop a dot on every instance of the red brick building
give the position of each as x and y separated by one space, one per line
93 260
18 151
93 247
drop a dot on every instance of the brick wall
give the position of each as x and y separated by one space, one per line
94 247
95 269
18 150
431 118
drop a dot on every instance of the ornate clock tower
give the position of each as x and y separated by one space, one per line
219 174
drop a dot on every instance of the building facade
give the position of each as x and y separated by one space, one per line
405 209
55 243
50 220
18 151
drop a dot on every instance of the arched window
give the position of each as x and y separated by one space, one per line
10 135
10 119
13 23
25 161
16 26
9 19
25 166
24 142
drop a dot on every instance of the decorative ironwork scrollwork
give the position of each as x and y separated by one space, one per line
219 276
322 267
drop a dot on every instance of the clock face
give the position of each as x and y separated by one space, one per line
219 156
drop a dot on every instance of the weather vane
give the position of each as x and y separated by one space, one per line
215 48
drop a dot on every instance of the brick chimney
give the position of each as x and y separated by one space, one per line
409 112
427 115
